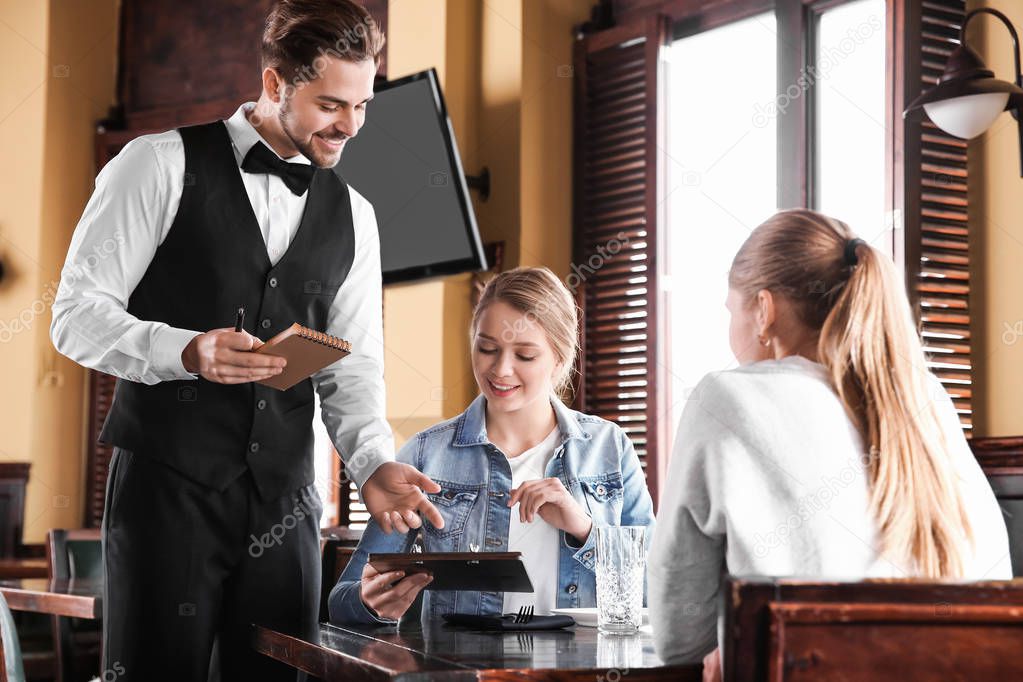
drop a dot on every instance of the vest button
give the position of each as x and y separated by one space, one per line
265 324
273 282
253 447
571 589
261 405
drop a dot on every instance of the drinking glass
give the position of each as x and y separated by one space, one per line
620 568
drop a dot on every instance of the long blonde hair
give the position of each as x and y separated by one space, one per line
870 346
543 298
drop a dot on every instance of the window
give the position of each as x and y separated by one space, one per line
722 177
721 182
849 141
662 150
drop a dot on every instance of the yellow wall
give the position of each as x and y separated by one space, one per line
58 80
996 227
546 142
505 68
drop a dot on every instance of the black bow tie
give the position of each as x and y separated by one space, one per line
297 176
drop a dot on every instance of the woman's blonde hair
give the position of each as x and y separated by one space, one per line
538 294
869 344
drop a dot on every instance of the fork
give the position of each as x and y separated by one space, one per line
524 615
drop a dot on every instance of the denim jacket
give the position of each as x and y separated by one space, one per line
594 460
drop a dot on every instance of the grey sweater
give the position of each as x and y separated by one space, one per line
767 478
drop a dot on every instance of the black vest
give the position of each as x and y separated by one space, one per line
212 261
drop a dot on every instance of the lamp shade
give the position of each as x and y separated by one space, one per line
967 98
969 115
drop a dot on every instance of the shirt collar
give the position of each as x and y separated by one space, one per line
472 427
243 135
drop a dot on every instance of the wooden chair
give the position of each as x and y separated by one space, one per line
76 555
790 630
13 480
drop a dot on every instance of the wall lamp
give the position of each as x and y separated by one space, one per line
968 98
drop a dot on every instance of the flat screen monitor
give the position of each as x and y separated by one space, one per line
404 160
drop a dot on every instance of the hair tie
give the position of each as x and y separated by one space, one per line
849 255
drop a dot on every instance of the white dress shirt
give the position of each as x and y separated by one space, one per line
767 478
128 217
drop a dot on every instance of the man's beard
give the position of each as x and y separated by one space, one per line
305 148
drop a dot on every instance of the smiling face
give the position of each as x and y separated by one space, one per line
324 113
512 359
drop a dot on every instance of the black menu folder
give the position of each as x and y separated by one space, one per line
475 571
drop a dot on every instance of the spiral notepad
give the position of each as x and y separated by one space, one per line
306 350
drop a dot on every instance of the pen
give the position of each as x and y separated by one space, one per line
240 320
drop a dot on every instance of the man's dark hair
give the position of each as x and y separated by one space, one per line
299 34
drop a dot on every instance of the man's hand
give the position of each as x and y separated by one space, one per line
222 356
393 495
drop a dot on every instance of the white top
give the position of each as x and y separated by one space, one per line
766 478
538 541
129 215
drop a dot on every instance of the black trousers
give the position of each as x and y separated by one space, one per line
188 567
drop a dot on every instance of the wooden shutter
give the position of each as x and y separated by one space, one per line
101 396
617 122
353 513
936 212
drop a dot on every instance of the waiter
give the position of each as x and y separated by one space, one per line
211 520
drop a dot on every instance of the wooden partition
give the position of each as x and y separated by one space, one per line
793 630
1002 462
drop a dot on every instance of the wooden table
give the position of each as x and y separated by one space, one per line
442 652
75 598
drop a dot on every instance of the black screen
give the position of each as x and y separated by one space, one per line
406 164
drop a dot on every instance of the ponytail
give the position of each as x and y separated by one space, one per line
870 347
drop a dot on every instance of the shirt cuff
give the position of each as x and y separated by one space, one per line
346 607
372 616
367 459
586 554
168 344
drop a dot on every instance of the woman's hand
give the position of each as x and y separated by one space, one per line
387 598
712 666
549 498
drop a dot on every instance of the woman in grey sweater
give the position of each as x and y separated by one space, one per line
831 452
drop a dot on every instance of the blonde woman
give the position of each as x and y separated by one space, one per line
830 452
518 470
